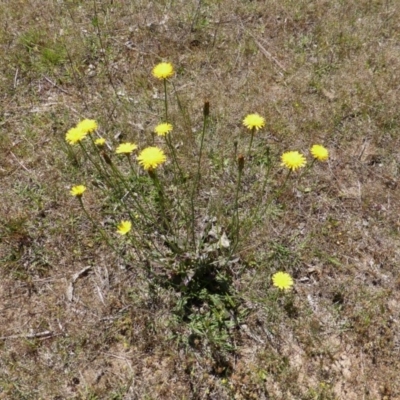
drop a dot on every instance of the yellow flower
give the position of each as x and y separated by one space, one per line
78 190
126 148
319 152
151 157
254 121
87 125
293 160
74 135
163 70
100 142
124 227
282 280
163 129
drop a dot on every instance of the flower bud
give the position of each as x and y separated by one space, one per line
106 157
240 160
206 109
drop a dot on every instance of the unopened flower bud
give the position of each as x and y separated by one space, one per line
240 162
206 109
106 157
235 146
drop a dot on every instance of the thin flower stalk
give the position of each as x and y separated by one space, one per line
160 190
171 147
148 216
121 178
196 184
253 122
255 215
164 70
275 196
168 139
136 237
134 171
307 168
235 218
206 113
253 131
102 171
96 225
165 100
266 176
319 153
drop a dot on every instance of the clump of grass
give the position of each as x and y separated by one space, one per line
160 212
43 53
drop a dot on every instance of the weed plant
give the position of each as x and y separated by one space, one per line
164 223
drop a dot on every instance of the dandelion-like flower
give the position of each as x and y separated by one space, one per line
74 135
293 160
282 280
319 152
87 125
100 142
78 190
151 157
163 129
126 148
254 121
124 227
163 70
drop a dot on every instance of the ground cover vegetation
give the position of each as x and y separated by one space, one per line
199 200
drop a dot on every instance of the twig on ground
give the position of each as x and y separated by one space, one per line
55 85
43 335
75 277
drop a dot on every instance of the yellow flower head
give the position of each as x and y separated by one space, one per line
87 125
126 148
282 280
254 121
100 141
124 227
293 160
151 157
74 135
163 70
319 152
78 190
163 129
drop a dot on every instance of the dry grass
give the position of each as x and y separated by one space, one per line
320 72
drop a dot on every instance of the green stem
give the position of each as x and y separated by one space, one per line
139 206
235 219
97 166
131 165
196 184
171 147
309 166
255 215
279 192
104 169
160 190
96 225
165 100
251 140
198 177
